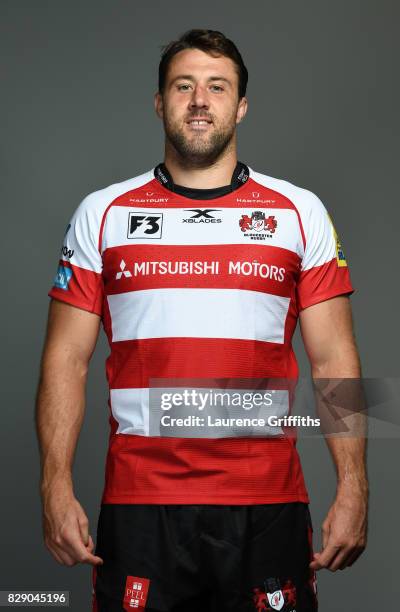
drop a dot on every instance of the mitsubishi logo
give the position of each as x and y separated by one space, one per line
124 272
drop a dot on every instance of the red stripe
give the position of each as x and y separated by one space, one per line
270 259
145 470
85 289
322 282
134 362
94 598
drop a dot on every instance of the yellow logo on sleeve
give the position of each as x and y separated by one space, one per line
340 258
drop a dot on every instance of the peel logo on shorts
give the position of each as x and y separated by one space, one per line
136 591
144 225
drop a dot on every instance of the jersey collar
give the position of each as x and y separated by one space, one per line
239 177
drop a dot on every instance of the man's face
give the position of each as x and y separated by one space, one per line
200 106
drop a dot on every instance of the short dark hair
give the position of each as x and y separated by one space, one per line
210 41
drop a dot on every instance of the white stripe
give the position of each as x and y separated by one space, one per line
130 408
174 231
198 313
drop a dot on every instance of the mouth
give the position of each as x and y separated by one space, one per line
199 124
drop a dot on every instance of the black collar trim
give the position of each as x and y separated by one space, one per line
239 177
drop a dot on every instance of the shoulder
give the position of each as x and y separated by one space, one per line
96 203
304 200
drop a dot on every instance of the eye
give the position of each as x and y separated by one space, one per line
217 88
183 87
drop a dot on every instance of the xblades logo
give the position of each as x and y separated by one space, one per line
202 215
144 225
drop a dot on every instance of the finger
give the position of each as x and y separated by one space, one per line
325 558
90 544
340 561
56 556
84 528
72 544
65 558
81 546
96 560
57 552
315 564
353 557
325 536
90 548
82 554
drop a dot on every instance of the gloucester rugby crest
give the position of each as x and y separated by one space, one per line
275 597
258 226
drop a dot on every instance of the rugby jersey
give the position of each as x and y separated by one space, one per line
198 291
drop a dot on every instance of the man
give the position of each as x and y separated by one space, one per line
187 289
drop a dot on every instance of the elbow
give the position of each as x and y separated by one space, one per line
341 361
65 361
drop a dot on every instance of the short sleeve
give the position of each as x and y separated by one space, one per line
78 280
324 270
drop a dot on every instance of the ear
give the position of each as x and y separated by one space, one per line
158 104
242 110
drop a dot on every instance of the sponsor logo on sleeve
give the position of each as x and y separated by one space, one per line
63 277
340 257
66 251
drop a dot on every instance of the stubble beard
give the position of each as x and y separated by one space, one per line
199 151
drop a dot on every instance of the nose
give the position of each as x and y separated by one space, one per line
199 98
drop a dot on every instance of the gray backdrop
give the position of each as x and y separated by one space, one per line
77 115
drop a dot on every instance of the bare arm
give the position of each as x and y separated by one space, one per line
70 341
329 341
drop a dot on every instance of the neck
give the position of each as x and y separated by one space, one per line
217 174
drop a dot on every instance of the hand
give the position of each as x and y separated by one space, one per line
66 527
344 531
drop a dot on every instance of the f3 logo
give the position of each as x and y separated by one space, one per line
143 225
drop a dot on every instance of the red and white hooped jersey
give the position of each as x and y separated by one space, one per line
198 289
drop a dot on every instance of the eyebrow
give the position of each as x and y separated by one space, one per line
190 77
